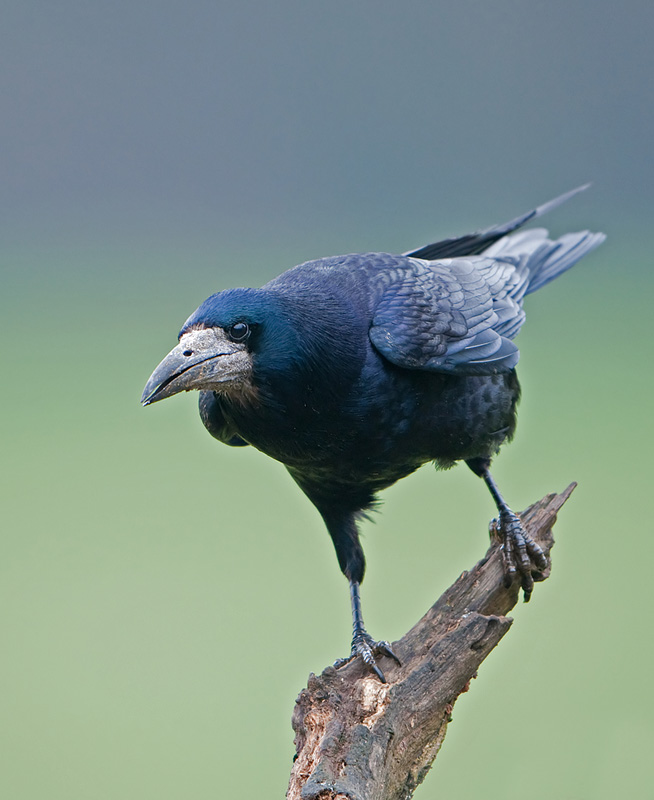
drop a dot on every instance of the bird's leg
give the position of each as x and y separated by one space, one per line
345 535
520 553
362 642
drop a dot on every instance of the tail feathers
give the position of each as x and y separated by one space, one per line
538 259
476 243
521 244
554 258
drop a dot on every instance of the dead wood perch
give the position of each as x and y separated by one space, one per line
359 739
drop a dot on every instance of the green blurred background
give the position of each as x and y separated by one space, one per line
163 598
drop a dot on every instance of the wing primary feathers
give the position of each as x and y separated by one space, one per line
475 243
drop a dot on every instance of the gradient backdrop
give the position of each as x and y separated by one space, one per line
163 598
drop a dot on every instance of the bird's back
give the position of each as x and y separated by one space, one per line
437 382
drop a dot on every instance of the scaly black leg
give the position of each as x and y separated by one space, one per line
520 553
345 535
362 642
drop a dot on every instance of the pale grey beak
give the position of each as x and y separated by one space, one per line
203 359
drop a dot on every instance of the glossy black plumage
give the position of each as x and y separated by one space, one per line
355 370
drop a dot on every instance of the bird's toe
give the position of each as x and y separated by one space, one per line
521 555
369 650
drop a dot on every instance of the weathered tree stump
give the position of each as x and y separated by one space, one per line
360 739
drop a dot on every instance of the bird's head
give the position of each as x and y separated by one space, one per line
216 347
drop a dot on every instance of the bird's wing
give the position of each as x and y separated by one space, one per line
454 315
475 243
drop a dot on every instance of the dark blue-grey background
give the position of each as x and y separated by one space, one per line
162 599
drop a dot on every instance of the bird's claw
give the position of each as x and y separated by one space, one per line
365 646
521 555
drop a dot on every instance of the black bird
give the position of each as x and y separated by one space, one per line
355 370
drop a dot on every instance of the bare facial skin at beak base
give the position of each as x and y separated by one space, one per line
204 359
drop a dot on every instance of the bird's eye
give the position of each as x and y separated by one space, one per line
239 331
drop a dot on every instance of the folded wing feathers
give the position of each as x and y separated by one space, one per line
459 314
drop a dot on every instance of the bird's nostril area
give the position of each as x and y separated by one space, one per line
187 353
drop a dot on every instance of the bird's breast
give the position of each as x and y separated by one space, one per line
385 427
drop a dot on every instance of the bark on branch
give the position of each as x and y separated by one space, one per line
359 739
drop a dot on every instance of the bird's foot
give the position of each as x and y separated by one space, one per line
521 556
365 646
